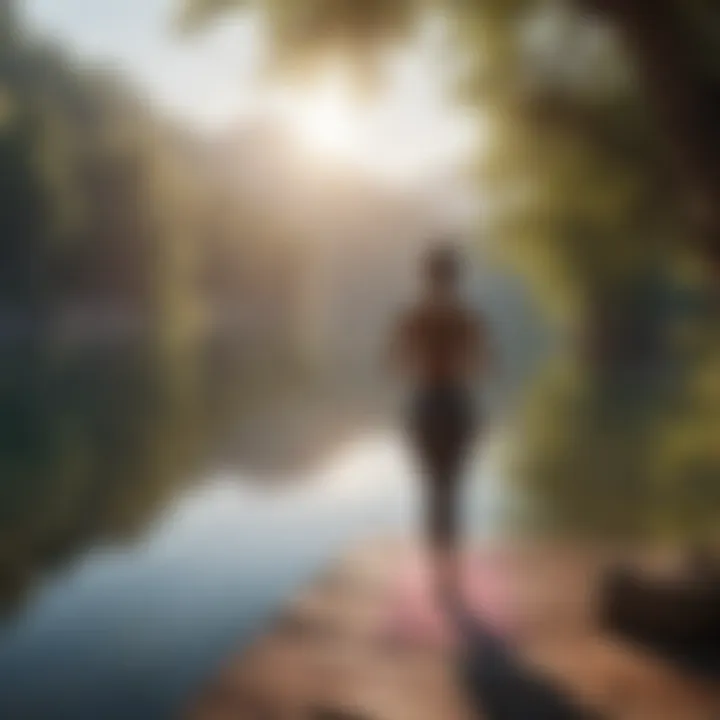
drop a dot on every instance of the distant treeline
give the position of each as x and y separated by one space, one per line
110 214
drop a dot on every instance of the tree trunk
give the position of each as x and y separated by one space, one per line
685 98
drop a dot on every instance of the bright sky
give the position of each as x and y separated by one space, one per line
211 80
207 79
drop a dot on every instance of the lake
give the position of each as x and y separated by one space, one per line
139 549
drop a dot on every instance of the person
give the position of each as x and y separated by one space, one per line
440 348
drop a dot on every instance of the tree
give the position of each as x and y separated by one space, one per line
675 49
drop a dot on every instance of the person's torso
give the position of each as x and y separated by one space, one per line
442 341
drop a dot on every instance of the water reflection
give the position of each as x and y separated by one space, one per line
146 563
91 445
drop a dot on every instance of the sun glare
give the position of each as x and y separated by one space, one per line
327 120
398 136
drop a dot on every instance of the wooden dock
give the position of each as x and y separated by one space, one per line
363 642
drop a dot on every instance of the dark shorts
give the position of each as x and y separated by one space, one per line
443 422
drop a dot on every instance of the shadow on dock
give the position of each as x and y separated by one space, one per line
502 687
336 653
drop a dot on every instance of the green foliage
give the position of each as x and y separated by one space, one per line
99 202
306 33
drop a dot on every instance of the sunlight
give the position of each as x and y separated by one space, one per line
327 121
406 133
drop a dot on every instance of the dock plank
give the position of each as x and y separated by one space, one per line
353 645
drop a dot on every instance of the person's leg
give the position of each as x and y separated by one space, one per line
443 531
442 428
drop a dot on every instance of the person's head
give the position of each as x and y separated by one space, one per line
442 268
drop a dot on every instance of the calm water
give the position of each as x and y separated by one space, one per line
136 556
